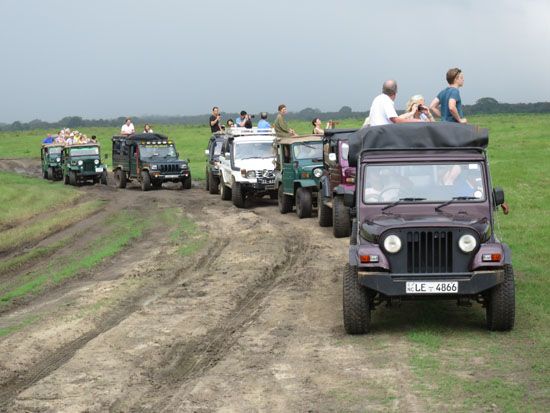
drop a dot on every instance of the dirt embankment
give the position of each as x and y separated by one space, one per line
250 322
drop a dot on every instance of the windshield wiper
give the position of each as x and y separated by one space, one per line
400 200
450 201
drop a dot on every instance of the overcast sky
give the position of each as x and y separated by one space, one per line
104 59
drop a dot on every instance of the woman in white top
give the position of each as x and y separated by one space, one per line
127 128
147 128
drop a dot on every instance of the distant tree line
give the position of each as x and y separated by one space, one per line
482 106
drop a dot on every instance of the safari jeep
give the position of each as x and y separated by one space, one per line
246 165
338 179
212 153
82 163
149 158
424 225
50 155
300 161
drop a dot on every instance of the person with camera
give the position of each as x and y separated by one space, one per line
244 120
215 119
416 109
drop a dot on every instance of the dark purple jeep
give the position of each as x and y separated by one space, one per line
424 223
338 179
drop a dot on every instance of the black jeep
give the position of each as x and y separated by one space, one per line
151 159
424 225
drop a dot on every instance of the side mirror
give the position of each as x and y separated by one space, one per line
349 200
106 156
332 157
498 195
206 152
188 160
227 154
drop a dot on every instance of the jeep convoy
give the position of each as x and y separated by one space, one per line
149 158
423 223
247 165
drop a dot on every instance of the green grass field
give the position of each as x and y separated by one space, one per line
511 370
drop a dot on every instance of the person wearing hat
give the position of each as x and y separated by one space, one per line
263 123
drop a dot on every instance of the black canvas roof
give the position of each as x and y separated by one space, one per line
143 137
422 135
339 133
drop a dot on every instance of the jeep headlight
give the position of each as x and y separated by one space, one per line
467 243
392 244
251 174
317 172
80 163
58 159
96 161
183 166
154 166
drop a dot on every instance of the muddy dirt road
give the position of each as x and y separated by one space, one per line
250 321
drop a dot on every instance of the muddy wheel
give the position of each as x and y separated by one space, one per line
224 190
356 303
66 179
501 303
72 178
341 223
273 194
120 178
303 203
45 173
285 201
103 178
156 184
324 213
51 174
145 181
207 174
213 184
186 183
237 195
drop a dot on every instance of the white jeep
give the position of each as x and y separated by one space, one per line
247 162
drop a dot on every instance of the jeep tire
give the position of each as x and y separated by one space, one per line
72 178
45 173
120 178
207 174
356 303
51 174
66 179
324 213
353 236
145 181
501 303
224 190
304 203
186 183
285 201
103 178
341 223
237 195
213 184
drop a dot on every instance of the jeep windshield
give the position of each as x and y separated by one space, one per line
308 150
249 150
93 150
157 151
54 150
433 182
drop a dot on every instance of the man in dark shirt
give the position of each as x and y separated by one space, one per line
215 120
448 105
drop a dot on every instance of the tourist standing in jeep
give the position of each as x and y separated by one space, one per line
424 223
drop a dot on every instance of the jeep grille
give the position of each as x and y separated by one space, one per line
266 173
168 168
88 165
429 251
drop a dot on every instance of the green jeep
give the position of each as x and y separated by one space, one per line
82 163
50 155
299 167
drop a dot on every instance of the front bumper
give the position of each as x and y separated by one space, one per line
394 285
173 177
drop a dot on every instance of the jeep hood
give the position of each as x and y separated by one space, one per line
255 164
378 224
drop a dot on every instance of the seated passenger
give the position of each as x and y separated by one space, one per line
263 123
147 128
127 128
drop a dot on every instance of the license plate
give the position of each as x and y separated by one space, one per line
171 176
431 287
266 181
100 169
